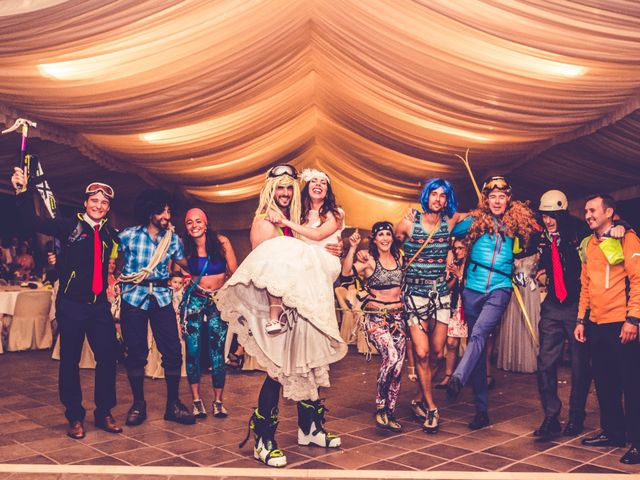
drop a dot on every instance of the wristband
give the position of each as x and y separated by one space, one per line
580 321
633 321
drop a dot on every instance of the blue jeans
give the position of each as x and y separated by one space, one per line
482 312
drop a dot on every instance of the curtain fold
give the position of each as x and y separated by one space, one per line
205 96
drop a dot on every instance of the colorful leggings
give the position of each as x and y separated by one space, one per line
203 318
387 334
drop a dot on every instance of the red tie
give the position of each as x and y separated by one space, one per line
558 275
96 285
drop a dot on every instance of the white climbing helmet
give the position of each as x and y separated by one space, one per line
553 201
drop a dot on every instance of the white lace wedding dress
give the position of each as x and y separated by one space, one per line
302 273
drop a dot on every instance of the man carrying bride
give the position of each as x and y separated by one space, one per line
280 303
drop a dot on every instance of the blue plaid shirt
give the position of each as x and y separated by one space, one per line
137 248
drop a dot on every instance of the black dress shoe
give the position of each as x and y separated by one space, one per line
602 440
137 413
108 424
76 430
632 457
573 428
550 427
453 387
177 412
481 420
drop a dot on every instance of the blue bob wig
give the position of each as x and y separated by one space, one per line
452 204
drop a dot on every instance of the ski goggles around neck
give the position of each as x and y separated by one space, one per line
280 170
97 187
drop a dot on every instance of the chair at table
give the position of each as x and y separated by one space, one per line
347 324
87 360
30 326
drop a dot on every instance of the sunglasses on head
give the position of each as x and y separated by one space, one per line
97 187
280 170
496 183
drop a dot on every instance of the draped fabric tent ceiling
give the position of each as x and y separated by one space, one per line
204 96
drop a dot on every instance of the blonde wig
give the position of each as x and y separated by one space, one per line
267 197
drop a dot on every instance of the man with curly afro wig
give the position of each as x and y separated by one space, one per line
146 297
500 226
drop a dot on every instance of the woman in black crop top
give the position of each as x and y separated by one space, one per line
211 260
383 319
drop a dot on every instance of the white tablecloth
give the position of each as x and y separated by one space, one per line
8 298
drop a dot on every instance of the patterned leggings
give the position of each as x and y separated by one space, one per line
203 318
387 334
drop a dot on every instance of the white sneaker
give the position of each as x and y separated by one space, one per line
273 326
219 411
198 409
431 422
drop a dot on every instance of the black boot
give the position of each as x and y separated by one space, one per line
311 425
548 429
574 426
265 448
480 420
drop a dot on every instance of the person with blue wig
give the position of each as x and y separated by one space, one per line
427 302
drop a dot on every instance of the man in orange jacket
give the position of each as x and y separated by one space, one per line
610 287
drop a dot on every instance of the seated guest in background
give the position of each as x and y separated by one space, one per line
23 262
610 288
211 260
81 306
111 280
383 321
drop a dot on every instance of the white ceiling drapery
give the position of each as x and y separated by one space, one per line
382 94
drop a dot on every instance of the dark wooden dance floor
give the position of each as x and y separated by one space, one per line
32 427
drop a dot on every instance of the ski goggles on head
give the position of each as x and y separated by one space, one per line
285 169
496 183
97 187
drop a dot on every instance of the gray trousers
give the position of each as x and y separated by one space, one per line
557 323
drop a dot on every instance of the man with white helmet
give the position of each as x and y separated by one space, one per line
561 265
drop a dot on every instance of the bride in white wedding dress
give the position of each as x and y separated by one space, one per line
289 281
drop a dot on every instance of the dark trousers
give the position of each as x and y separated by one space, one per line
482 312
76 320
557 323
615 371
134 323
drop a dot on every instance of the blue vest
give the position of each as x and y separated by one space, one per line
490 263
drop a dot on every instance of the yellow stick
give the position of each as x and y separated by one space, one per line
525 314
465 160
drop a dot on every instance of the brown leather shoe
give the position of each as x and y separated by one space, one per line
76 430
108 424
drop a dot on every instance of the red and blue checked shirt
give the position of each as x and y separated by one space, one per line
137 248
